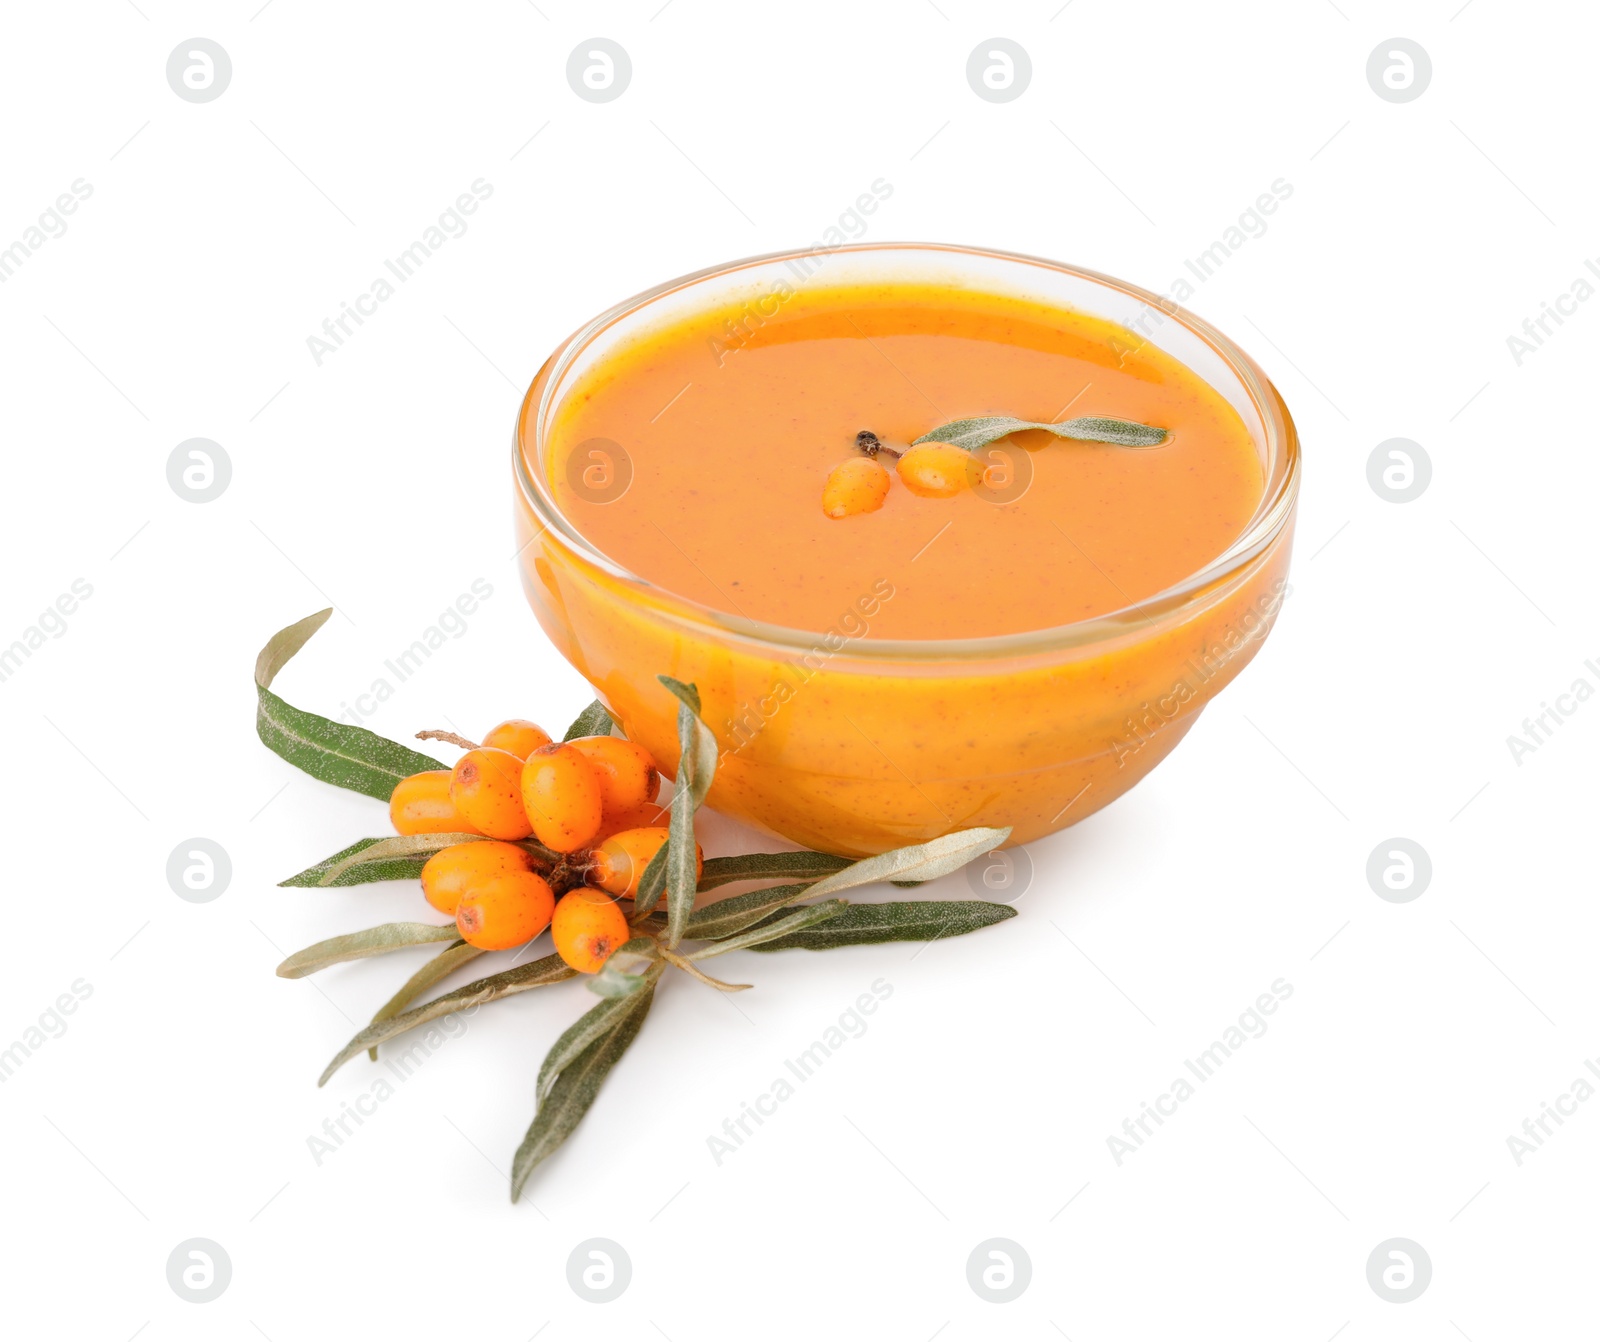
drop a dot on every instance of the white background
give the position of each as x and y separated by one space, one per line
1419 1036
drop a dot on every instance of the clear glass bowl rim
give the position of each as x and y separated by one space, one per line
1272 514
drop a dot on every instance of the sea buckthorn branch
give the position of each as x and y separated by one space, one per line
526 833
943 462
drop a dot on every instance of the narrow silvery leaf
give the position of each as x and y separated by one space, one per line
574 1090
916 920
920 862
381 850
627 968
360 945
697 765
333 752
535 974
594 1022
680 868
972 434
363 872
444 964
652 881
284 644
797 921
595 720
802 865
734 914
689 694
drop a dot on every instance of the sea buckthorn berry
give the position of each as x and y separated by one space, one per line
455 872
627 774
617 864
938 470
586 928
562 797
505 912
646 815
486 786
859 485
421 805
517 736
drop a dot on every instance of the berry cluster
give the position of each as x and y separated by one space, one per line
569 828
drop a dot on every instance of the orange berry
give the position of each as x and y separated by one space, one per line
627 774
561 796
456 871
517 736
421 804
617 864
938 470
646 815
486 786
859 485
586 928
505 912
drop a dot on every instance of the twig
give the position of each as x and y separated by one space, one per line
433 734
673 958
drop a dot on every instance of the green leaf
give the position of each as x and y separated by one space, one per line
795 922
923 862
738 912
972 434
689 694
595 720
332 752
381 850
574 1089
916 920
363 873
360 945
445 963
597 1021
769 866
626 968
652 881
697 764
919 862
535 974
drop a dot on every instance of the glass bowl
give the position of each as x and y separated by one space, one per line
857 745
